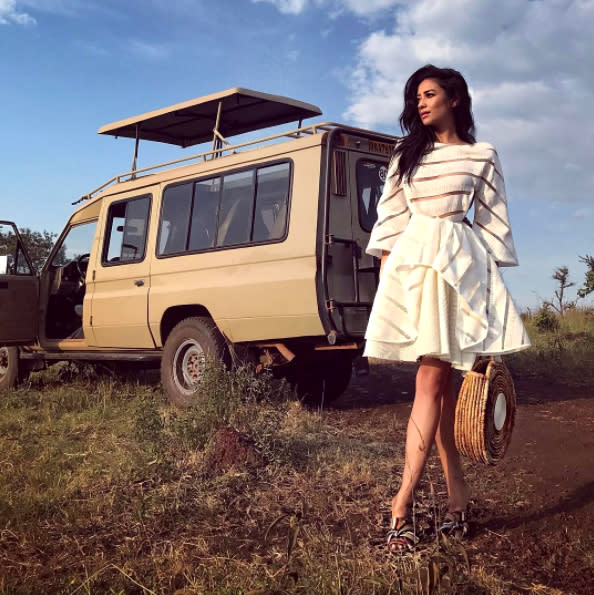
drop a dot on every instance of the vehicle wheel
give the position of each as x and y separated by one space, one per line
9 367
338 378
323 381
192 343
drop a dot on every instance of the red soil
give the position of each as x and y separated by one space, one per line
533 513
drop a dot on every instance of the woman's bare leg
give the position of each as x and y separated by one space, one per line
448 453
422 426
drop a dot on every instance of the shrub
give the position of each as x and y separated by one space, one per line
546 320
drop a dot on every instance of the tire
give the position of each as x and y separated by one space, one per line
10 368
338 378
192 343
322 381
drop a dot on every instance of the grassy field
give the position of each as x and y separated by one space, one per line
562 348
105 488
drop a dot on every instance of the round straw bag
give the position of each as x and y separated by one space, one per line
485 412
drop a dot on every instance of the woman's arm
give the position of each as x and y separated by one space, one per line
491 219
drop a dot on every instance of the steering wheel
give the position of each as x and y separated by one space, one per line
82 264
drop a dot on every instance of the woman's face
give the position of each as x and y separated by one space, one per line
435 109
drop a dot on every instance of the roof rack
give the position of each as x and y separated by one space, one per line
228 148
228 113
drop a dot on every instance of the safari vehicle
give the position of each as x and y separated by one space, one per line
249 250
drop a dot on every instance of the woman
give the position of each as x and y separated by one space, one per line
441 299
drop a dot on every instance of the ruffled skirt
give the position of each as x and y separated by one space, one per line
436 333
443 298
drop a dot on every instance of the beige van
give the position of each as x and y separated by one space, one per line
248 250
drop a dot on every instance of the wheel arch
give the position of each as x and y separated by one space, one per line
176 314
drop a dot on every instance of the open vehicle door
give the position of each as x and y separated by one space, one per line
358 165
19 289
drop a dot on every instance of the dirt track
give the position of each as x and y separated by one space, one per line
533 513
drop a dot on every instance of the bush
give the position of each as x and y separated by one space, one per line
546 320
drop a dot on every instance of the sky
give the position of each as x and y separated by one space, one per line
71 66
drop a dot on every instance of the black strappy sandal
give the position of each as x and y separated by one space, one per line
401 537
455 524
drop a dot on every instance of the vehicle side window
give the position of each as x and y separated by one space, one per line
204 214
232 209
12 256
272 197
175 218
125 236
235 217
22 266
371 176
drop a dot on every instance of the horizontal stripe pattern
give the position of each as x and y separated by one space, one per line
440 293
456 173
459 159
447 182
442 195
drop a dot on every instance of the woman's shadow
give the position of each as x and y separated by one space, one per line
576 500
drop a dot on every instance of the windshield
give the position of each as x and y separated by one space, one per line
78 241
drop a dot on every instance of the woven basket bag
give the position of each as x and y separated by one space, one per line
485 412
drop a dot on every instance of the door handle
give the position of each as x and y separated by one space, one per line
139 282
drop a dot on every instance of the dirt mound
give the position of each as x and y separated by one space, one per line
229 449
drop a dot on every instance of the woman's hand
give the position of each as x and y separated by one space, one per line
383 260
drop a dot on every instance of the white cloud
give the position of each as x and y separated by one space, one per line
584 213
530 67
150 51
91 48
364 7
74 8
288 6
336 7
61 7
10 14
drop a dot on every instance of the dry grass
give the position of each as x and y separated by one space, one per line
103 489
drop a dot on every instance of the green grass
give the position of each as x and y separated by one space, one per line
563 355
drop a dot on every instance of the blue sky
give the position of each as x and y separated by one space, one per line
70 66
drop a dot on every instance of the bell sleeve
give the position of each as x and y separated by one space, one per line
393 215
491 219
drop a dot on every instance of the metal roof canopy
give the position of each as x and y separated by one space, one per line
216 116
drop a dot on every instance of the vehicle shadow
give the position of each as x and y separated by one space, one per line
391 383
386 384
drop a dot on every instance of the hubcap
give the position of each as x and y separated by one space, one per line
189 363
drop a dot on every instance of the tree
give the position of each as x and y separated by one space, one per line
588 286
38 244
560 304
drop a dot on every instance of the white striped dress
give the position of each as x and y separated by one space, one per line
440 292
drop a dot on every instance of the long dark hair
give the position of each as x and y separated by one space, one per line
419 138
